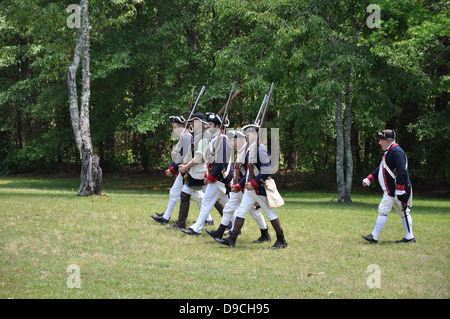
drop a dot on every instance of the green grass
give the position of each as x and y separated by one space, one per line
123 253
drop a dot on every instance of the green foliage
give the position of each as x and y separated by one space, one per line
147 55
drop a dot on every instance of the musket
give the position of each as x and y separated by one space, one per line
269 97
192 100
190 115
196 103
260 119
225 114
226 103
226 107
260 109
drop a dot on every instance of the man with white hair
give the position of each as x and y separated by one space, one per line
393 176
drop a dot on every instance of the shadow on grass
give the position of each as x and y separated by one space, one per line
74 183
436 206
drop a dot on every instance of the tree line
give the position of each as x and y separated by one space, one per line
340 71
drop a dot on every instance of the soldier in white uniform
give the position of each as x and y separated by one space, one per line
192 170
195 170
178 157
229 211
219 174
258 158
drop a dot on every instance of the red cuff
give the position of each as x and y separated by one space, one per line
399 187
371 178
254 184
173 170
237 187
211 178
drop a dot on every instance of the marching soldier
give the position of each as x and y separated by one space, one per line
194 171
219 172
229 211
252 184
393 176
178 157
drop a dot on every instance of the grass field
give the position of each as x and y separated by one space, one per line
122 253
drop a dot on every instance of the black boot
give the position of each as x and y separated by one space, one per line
264 237
280 243
217 233
229 241
184 210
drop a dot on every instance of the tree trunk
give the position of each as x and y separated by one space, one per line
340 176
347 141
91 173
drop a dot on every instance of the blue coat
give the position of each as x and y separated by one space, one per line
397 163
263 166
223 157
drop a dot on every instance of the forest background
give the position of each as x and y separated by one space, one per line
339 74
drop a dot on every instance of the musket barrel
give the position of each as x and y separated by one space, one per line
269 97
260 109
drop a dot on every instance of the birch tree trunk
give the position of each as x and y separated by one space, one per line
340 152
344 173
91 173
347 141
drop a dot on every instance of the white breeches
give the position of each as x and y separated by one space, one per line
212 193
386 204
249 199
177 186
229 211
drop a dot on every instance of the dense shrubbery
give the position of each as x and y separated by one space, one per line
146 56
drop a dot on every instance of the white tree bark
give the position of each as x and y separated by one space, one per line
91 173
347 141
340 149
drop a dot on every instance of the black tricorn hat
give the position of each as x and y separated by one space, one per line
216 119
386 134
177 119
198 116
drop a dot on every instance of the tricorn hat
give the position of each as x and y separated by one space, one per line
386 134
216 119
198 116
236 134
177 119
251 128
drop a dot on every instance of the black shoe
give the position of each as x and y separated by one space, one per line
213 233
404 240
190 231
265 237
280 243
159 214
217 233
160 220
370 239
228 241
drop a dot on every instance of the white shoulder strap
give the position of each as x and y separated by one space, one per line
388 169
